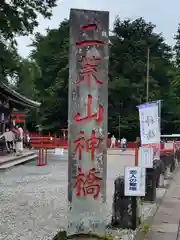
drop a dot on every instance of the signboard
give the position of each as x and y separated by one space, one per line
87 120
149 123
59 151
146 156
135 179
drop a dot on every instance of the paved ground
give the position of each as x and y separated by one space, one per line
33 200
166 221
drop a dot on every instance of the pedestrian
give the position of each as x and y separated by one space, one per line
17 140
28 139
113 141
123 144
21 137
9 140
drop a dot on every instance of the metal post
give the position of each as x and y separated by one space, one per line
119 128
147 76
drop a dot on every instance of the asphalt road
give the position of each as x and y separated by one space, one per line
33 200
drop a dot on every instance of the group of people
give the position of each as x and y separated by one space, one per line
123 142
13 137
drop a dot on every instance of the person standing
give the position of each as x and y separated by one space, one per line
17 140
9 140
28 140
123 144
113 141
21 138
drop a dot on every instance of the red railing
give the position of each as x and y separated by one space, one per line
53 141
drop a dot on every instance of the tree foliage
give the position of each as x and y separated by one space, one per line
46 74
127 74
18 18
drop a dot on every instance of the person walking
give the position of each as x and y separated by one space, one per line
9 140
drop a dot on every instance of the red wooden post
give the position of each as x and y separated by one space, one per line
138 142
64 130
42 157
39 158
46 157
136 156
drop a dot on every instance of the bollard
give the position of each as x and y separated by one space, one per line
157 166
125 212
151 176
162 172
178 155
176 159
172 160
167 164
41 158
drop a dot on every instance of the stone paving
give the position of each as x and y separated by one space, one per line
166 221
33 200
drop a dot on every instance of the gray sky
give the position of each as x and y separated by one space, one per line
164 14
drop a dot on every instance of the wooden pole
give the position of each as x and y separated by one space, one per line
147 76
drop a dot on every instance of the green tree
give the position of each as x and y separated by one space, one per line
51 54
127 74
18 18
28 73
21 17
128 65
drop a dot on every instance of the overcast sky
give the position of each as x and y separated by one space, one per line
163 13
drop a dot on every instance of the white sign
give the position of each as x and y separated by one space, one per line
146 155
149 123
59 151
134 181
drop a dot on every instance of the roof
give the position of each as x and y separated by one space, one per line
18 98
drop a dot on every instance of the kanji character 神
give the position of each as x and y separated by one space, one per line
89 69
85 43
90 145
87 183
98 115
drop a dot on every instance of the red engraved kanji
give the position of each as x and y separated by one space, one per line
80 144
90 145
98 115
88 183
89 68
90 42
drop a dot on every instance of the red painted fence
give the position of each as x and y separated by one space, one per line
49 141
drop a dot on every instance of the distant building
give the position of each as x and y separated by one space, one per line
10 100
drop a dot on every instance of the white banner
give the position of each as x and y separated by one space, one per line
146 156
149 123
134 181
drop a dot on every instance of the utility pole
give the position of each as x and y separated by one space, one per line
119 135
147 76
